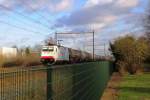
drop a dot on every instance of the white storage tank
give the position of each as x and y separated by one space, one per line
8 52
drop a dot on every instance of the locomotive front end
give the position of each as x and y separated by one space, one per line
48 55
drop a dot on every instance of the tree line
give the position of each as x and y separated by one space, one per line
130 52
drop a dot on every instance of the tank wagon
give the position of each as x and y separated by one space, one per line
57 54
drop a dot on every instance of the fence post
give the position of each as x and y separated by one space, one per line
49 83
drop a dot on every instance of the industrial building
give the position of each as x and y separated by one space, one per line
8 52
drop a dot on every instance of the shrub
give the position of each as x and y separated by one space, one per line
31 60
28 60
129 53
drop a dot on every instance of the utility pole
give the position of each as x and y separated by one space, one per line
104 49
92 32
93 46
56 37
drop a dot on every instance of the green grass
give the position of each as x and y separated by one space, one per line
135 87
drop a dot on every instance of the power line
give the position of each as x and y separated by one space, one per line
16 25
19 27
29 18
44 17
90 32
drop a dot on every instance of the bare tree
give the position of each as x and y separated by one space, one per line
147 28
50 41
37 47
147 23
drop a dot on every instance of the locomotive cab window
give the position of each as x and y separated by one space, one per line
48 49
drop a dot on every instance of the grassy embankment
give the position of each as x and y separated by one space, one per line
26 60
135 87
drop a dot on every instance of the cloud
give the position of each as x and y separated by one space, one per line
97 13
101 15
33 5
63 5
122 3
91 3
94 14
127 3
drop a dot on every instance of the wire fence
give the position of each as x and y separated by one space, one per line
22 84
84 81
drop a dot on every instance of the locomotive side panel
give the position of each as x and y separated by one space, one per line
63 54
74 55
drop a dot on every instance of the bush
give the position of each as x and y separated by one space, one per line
148 58
129 53
9 62
121 67
29 60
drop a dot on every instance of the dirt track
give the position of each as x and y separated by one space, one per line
111 90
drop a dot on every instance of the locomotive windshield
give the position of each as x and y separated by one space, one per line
48 49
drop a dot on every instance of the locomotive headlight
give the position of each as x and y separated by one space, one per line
42 60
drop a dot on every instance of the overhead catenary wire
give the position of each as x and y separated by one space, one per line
106 27
26 23
25 16
18 27
34 20
133 29
44 17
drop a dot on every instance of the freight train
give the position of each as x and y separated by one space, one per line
59 54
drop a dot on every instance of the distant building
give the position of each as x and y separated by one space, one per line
8 52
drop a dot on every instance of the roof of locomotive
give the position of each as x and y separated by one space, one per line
66 47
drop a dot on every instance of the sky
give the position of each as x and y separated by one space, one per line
29 22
